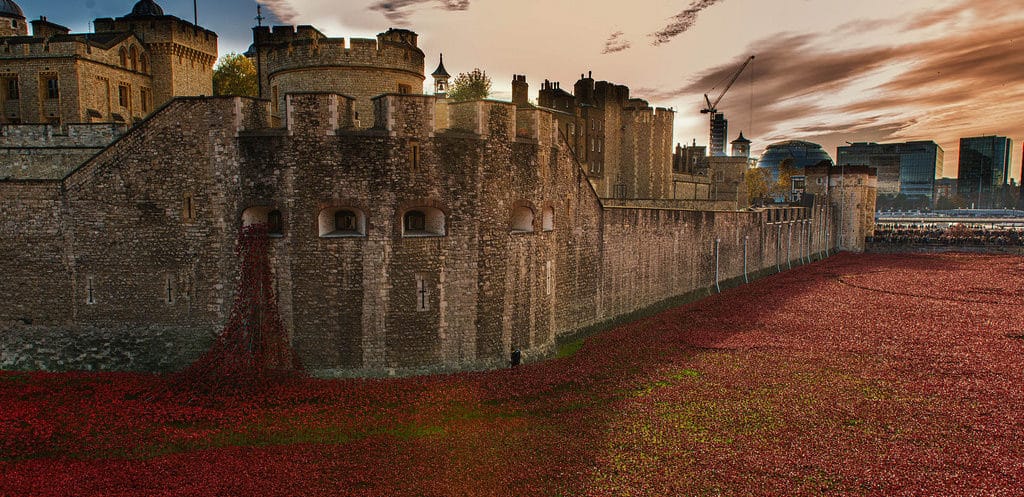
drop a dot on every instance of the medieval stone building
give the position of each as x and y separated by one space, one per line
409 233
122 72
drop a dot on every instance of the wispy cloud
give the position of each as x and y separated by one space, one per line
398 10
616 43
282 9
682 21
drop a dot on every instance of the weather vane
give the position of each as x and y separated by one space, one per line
259 14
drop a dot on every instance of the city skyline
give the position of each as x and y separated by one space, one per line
871 72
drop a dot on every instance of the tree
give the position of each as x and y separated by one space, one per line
784 186
235 75
757 180
474 85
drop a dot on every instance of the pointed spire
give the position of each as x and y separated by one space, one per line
440 71
741 139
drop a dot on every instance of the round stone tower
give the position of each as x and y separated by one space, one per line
12 19
304 60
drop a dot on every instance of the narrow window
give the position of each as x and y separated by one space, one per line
275 105
144 96
549 278
592 144
133 55
415 221
169 289
12 89
404 89
422 294
414 156
345 221
52 91
144 63
124 57
598 144
572 129
275 223
122 95
90 296
188 208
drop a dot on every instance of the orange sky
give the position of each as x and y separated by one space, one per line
826 70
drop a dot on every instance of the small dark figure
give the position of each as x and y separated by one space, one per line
517 357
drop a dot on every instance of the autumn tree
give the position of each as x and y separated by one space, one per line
784 185
474 85
235 75
757 180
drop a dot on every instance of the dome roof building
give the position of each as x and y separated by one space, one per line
10 9
146 8
12 19
797 154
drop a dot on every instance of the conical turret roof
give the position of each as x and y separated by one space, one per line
440 71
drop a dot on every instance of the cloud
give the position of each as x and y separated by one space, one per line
282 9
616 43
682 22
398 10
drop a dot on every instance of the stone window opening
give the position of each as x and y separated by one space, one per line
123 55
144 98
548 219
404 89
123 95
12 89
341 222
267 215
169 289
133 56
52 90
188 208
422 293
414 156
90 291
144 63
423 222
522 220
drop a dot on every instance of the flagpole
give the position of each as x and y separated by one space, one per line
195 11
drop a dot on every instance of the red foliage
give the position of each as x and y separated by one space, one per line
254 341
858 375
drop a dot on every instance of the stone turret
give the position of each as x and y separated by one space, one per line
441 79
741 147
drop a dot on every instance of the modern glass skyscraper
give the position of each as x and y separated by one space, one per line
909 168
984 165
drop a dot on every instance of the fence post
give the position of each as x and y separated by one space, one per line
718 241
745 280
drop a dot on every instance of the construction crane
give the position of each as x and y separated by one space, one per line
716 144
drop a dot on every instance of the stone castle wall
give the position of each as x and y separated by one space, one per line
44 151
121 250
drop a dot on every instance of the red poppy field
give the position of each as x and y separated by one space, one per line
857 375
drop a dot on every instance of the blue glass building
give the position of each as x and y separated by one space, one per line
797 154
984 165
909 168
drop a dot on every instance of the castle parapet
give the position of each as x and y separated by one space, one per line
487 118
318 114
405 115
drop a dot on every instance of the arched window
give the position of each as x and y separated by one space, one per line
265 215
124 57
339 222
423 221
144 63
133 55
548 219
522 219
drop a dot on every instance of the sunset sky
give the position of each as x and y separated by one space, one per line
827 71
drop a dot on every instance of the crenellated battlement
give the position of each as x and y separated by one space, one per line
287 48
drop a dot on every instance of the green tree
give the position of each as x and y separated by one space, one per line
235 75
474 85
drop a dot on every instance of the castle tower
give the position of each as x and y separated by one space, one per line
441 79
741 147
520 90
12 19
147 8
